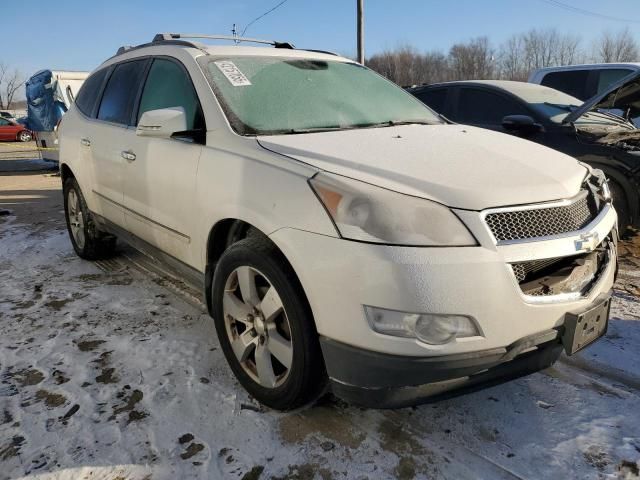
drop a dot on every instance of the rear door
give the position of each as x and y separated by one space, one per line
112 134
485 108
159 180
434 98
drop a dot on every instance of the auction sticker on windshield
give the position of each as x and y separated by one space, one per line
233 73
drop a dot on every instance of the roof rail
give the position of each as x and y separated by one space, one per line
163 37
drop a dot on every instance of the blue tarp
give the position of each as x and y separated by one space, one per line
43 109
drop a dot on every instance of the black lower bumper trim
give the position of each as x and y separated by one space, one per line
379 380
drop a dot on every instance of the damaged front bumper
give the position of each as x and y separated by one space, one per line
378 380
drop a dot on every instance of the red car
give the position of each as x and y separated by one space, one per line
12 131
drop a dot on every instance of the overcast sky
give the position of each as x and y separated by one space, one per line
80 34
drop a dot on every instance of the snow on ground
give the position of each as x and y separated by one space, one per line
107 371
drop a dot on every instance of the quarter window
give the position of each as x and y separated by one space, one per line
168 85
120 92
608 77
434 98
89 92
482 107
573 82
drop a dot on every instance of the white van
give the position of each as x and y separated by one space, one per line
583 81
65 85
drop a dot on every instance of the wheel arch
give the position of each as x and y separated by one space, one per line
65 172
221 236
633 199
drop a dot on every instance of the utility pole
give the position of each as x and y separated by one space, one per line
360 31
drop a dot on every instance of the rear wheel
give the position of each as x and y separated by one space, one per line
88 241
265 325
24 136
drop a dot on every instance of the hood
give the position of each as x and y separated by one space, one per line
459 166
623 95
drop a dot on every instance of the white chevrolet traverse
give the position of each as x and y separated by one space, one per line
344 234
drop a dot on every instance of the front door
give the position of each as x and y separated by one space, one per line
159 177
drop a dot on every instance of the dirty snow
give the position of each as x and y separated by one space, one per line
110 371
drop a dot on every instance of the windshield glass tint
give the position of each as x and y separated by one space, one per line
275 95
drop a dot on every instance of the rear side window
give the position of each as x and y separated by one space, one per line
483 107
89 92
433 98
168 85
573 82
610 76
120 92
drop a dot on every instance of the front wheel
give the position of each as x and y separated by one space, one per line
265 325
621 204
88 241
24 136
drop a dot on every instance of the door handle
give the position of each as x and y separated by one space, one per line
86 142
128 156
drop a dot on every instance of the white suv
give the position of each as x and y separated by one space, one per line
343 233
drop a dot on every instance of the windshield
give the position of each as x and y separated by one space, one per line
276 95
555 106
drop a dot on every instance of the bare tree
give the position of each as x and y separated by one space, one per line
619 47
10 82
472 60
536 49
511 59
406 66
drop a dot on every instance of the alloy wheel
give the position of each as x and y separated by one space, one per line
257 327
76 219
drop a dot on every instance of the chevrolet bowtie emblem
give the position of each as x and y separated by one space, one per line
588 241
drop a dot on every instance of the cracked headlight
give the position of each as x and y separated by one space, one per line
368 213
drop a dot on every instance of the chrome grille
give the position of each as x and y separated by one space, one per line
542 222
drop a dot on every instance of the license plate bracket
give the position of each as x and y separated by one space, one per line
582 329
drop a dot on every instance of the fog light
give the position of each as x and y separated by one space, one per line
434 329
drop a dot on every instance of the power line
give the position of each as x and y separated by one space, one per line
571 8
263 15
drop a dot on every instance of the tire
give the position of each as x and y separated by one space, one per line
88 241
621 204
24 136
291 333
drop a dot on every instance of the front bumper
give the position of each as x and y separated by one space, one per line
378 380
340 277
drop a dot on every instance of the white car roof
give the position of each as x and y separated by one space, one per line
196 49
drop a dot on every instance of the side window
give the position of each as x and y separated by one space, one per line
608 77
4 122
89 92
483 107
120 92
168 85
573 82
434 98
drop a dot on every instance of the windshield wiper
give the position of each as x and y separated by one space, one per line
612 115
393 123
330 128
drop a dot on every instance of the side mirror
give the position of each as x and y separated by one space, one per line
162 123
520 124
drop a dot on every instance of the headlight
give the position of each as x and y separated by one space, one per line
602 184
364 212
